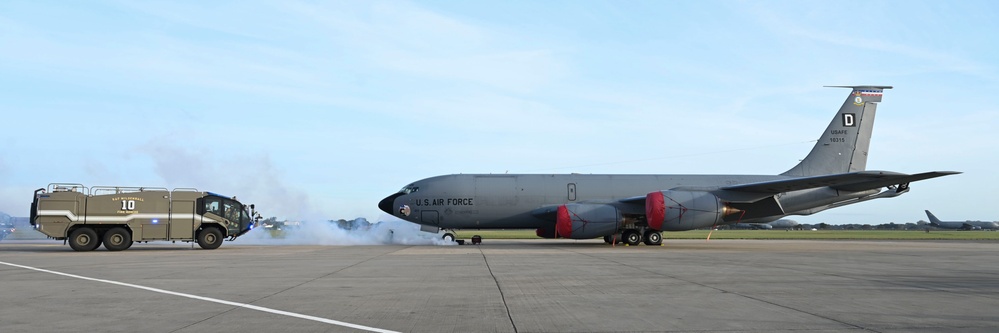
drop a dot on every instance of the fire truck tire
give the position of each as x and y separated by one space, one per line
84 239
117 239
210 238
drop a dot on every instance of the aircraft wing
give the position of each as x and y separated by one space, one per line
904 179
853 181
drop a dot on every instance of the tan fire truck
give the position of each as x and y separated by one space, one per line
117 216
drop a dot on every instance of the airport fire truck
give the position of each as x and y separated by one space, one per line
117 216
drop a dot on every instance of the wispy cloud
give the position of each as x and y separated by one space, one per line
411 40
863 34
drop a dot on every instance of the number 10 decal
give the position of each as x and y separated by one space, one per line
128 205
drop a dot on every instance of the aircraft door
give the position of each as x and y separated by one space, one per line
572 191
429 217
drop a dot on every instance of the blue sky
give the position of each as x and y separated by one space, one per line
316 109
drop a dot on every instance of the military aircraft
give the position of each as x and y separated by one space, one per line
637 208
784 224
779 224
966 225
754 226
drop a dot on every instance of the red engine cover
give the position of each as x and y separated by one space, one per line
563 222
655 209
582 221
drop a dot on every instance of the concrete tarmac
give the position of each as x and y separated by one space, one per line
505 286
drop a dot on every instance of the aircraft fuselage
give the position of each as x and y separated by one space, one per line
494 201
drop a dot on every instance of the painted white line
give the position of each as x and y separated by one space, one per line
242 305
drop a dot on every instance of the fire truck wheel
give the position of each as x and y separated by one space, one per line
84 239
117 239
210 238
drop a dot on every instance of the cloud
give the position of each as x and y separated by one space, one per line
406 39
874 36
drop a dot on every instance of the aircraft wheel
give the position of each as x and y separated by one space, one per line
210 238
653 237
632 237
607 239
448 237
84 239
117 239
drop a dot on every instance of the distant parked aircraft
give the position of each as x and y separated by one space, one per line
754 226
965 225
779 224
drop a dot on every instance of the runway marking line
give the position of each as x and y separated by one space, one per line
208 299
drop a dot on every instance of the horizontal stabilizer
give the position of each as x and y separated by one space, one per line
853 181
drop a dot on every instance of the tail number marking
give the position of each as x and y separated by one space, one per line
849 120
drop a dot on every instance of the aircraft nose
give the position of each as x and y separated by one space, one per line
388 204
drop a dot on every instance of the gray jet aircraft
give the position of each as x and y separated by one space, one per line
779 224
636 208
754 226
966 225
784 224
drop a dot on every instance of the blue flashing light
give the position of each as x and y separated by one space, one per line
219 195
155 221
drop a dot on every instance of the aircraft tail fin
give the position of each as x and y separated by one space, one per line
933 219
843 147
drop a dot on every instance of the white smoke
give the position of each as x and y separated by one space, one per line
330 233
257 178
253 178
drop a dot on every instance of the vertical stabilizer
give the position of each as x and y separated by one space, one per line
933 219
843 146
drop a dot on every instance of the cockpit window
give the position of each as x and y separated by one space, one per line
244 216
232 209
409 189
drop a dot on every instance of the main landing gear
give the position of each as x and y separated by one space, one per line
633 237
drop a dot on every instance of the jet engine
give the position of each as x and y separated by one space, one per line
585 221
684 210
547 232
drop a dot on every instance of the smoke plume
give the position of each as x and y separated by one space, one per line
355 232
